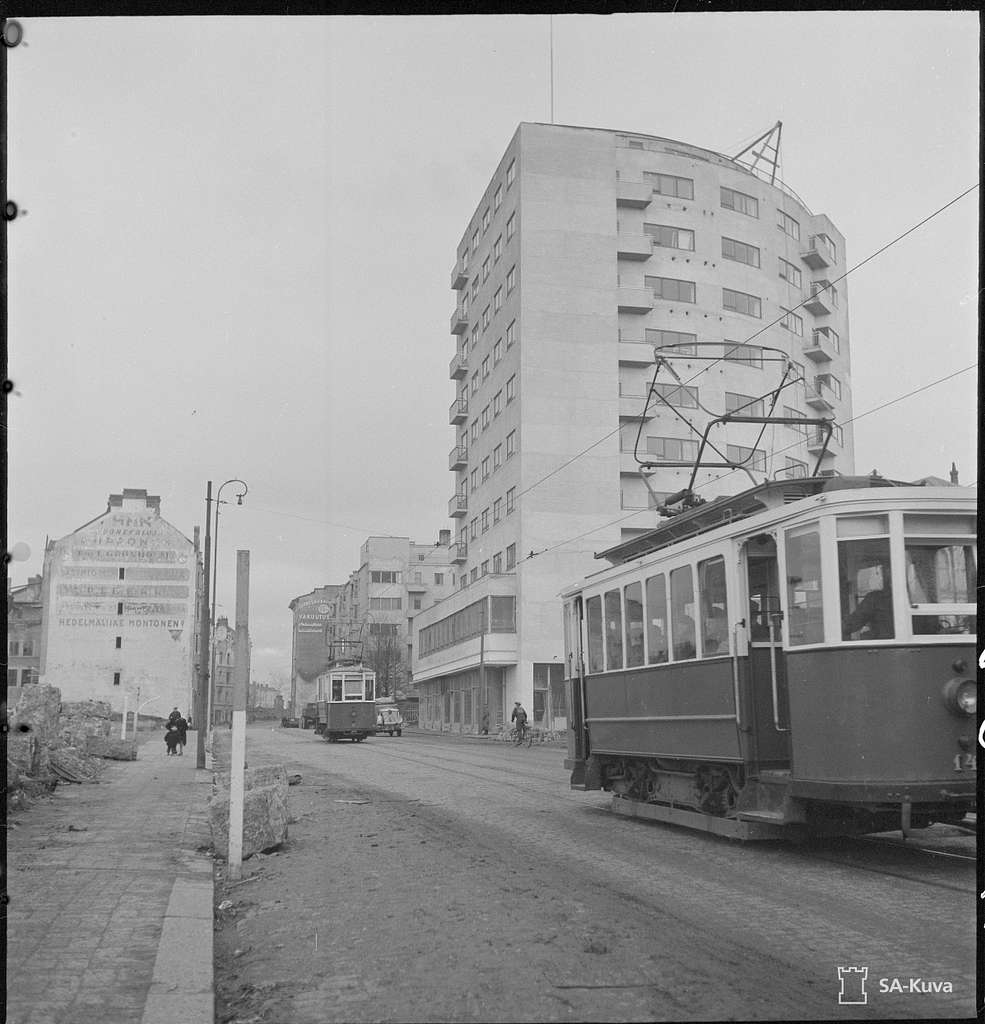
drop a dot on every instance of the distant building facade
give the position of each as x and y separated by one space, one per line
24 615
313 612
224 654
120 596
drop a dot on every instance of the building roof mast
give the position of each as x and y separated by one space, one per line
770 150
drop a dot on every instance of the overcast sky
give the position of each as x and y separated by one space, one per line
239 232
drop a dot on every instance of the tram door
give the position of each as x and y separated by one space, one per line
769 699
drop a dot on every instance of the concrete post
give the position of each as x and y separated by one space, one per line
241 682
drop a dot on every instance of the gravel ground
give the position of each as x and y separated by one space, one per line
435 879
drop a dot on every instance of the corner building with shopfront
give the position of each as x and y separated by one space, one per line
590 253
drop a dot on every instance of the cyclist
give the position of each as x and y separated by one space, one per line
520 717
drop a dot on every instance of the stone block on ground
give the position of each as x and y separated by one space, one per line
261 775
37 712
111 749
84 718
264 820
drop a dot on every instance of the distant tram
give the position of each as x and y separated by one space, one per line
346 705
798 658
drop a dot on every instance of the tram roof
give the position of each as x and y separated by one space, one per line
732 508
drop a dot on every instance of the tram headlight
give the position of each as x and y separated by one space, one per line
961 696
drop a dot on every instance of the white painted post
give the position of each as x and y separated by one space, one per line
123 724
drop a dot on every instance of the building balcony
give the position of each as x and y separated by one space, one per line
458 506
458 368
815 442
634 194
819 347
634 247
819 253
459 321
631 407
459 411
822 300
634 300
820 397
458 457
417 587
635 352
459 275
459 552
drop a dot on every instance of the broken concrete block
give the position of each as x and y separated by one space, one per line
264 820
111 749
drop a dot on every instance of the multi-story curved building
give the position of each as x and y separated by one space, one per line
589 253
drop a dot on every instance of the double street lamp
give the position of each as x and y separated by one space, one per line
206 660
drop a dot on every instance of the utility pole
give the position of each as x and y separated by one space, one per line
204 642
241 685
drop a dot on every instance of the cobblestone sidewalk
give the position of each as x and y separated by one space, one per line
110 889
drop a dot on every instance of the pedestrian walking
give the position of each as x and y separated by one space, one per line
174 716
485 723
182 727
171 739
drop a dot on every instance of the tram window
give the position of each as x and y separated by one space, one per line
656 619
353 687
940 571
336 688
682 613
805 595
593 613
865 585
369 688
613 630
634 624
714 607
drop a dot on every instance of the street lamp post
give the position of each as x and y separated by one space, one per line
215 568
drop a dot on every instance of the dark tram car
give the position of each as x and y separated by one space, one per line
796 658
347 702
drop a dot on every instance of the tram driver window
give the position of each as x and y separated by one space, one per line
337 688
714 607
682 613
940 573
805 595
865 578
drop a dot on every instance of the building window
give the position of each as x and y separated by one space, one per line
751 355
822 334
497 249
791 322
672 449
123 574
741 252
485 520
497 457
510 557
744 405
119 642
385 604
755 458
485 367
116 678
511 389
678 394
670 237
475 478
511 444
683 344
485 219
417 604
511 227
475 290
670 185
671 288
386 628
510 500
474 528
14 647
787 224
484 417
497 510
484 568
475 382
796 413
119 607
498 300
497 351
485 318
740 302
740 202
497 563
475 336
827 291
498 197
511 173
498 402
790 273
439 579
485 469
384 576
475 242
511 334
795 469
474 575
511 279
830 381
474 430
485 268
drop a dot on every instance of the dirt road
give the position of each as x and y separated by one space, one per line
442 879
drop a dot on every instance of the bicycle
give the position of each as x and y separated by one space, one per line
522 736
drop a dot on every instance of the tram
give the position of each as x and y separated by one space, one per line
346 705
795 659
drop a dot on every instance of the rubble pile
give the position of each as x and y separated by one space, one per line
84 718
265 814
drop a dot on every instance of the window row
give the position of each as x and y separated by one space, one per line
648 622
500 507
385 576
491 614
24 649
490 463
385 604
491 410
466 346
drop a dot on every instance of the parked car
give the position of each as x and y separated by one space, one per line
389 720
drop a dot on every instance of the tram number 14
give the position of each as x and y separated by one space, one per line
965 762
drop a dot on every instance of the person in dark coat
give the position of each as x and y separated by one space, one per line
171 739
174 716
182 726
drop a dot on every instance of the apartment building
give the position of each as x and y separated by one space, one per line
24 614
590 254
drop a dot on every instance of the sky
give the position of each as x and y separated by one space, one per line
237 233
